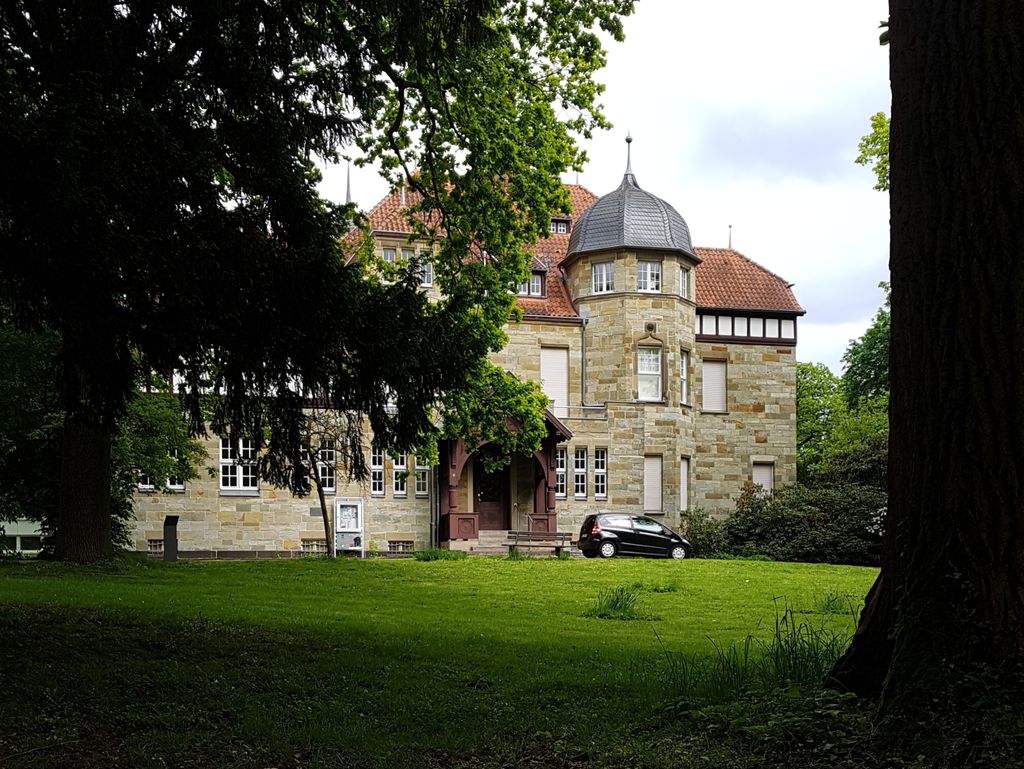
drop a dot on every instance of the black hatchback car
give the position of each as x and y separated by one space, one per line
610 534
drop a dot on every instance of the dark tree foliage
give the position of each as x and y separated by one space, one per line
158 207
29 425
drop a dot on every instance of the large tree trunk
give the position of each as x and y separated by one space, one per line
83 523
84 526
951 590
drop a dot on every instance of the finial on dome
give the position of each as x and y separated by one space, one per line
629 160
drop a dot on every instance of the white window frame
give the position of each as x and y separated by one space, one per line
144 481
327 465
648 276
579 473
389 255
684 377
376 471
645 373
399 479
408 254
174 483
426 271
537 284
238 472
684 282
561 465
559 226
421 485
601 473
603 277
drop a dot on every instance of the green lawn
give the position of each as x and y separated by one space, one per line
481 662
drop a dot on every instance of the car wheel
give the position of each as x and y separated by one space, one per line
678 552
608 549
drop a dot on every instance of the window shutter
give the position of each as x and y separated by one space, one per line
652 484
714 385
554 377
764 475
684 484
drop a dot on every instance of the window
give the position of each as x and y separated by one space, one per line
559 226
684 377
401 546
648 373
388 255
603 277
143 481
554 378
238 466
399 474
714 383
377 471
652 484
326 465
537 284
560 470
579 477
174 483
684 483
648 276
421 488
407 255
600 473
314 546
155 546
426 271
532 287
764 475
684 282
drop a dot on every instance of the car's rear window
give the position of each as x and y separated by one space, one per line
616 521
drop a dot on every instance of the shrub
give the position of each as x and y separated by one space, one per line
437 554
831 524
703 532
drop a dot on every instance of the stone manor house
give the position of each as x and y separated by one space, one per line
671 374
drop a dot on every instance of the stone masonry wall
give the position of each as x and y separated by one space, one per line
759 426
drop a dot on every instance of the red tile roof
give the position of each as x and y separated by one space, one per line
725 278
729 280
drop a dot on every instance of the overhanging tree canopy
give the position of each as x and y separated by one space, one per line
158 205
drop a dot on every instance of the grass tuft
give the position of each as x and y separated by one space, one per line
621 603
797 655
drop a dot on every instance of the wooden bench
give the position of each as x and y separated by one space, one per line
528 540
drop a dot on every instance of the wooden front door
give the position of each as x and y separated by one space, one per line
490 492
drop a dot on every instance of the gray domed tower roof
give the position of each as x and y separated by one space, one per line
629 217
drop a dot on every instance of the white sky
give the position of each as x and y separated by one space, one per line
748 113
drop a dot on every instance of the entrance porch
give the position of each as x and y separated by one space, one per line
519 496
